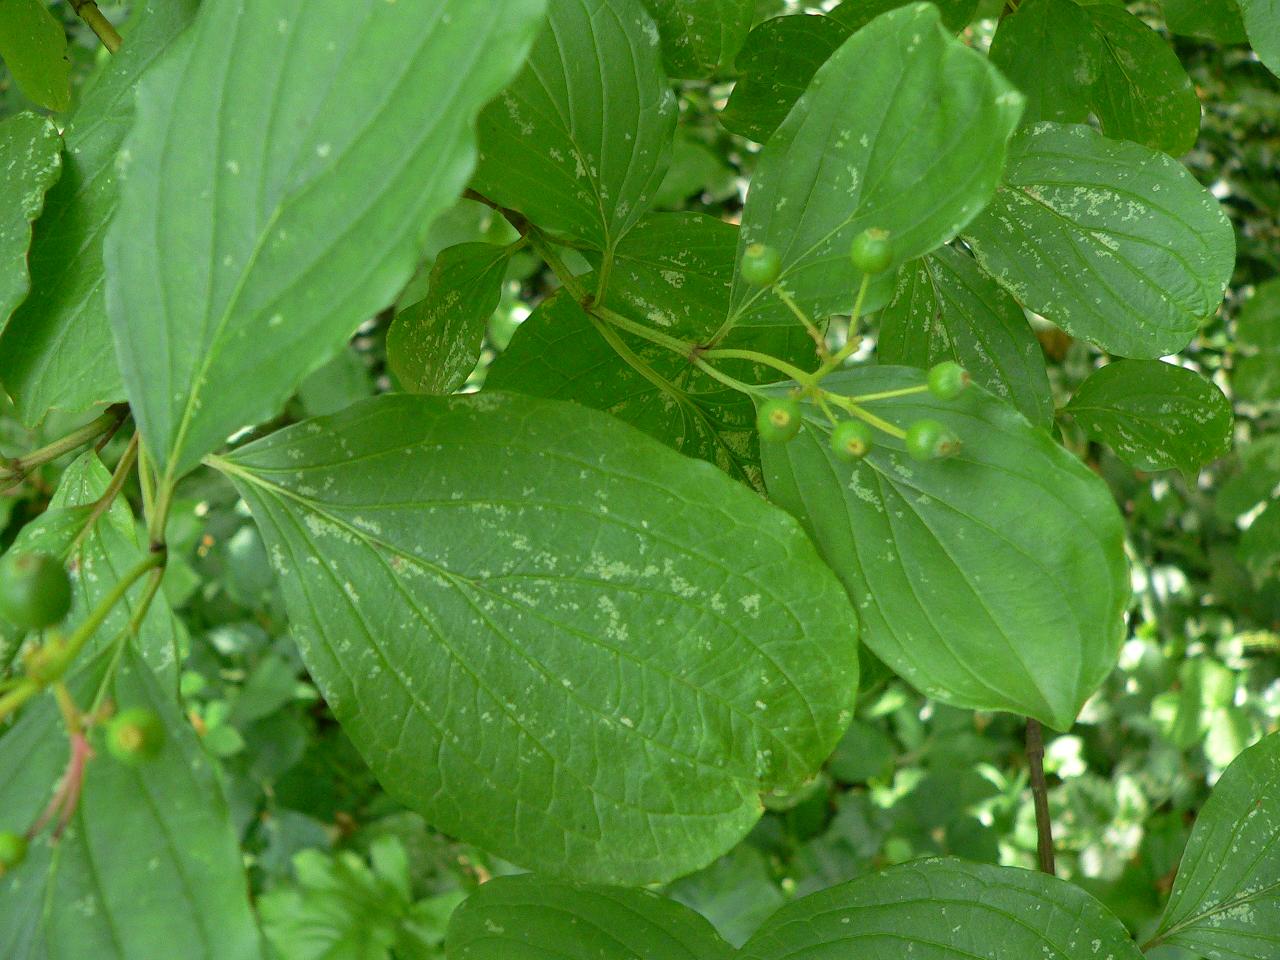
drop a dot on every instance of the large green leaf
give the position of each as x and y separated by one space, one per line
281 237
972 574
1226 898
672 272
1262 23
533 918
945 308
598 653
57 351
701 37
31 155
553 145
434 343
935 909
1156 416
1217 20
1256 375
1115 243
33 47
1142 92
1053 32
777 62
945 910
856 14
149 860
917 150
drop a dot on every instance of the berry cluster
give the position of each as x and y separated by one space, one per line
779 419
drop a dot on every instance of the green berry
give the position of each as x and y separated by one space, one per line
778 420
13 850
850 440
760 265
34 590
947 380
931 440
871 252
135 735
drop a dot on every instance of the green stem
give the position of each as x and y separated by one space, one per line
819 340
103 504
674 344
90 14
849 405
56 669
853 342
606 268
794 372
724 378
18 468
889 394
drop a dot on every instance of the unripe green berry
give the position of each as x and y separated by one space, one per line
760 265
947 380
34 590
931 440
871 252
851 440
134 736
13 850
778 420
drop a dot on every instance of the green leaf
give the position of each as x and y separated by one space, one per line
671 272
1217 20
856 14
1256 375
533 918
552 145
33 46
1142 92
31 155
840 164
290 232
1115 243
1259 548
433 345
149 859
1053 32
1226 898
945 308
1155 416
700 37
57 351
776 64
971 574
945 910
1262 23
555 662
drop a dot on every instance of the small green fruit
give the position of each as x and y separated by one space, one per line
34 590
931 440
947 380
13 850
134 736
871 252
851 440
760 265
778 420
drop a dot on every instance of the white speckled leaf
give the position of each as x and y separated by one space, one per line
945 308
57 350
1114 242
581 140
550 634
971 573
917 151
434 344
1154 415
30 163
247 253
945 910
701 36
1225 903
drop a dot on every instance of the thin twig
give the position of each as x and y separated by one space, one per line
1040 794
90 14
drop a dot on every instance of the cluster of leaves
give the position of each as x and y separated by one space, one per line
598 639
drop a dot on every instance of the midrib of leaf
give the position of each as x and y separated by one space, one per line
378 546
1221 907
